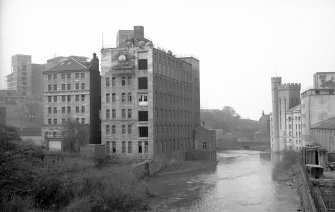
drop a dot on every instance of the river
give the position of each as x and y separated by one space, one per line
241 181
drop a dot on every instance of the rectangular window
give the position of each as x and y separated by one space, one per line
49 87
114 146
63 109
77 75
142 64
113 81
123 113
63 121
63 87
68 109
113 129
108 114
49 77
130 149
49 98
55 98
123 97
129 81
123 81
140 147
129 113
55 121
68 87
143 131
108 98
83 109
63 98
107 129
69 98
108 148
77 98
82 97
82 75
130 129
129 97
49 121
49 110
113 113
55 109
146 147
83 120
123 129
113 97
143 115
123 146
77 86
82 86
68 76
142 83
77 109
107 82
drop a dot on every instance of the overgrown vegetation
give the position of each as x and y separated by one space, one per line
31 180
229 121
289 158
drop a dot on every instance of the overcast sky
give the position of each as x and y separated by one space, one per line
241 44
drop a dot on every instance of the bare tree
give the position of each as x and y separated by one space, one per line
74 136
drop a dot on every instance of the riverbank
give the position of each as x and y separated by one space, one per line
185 166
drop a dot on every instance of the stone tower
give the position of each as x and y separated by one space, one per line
275 82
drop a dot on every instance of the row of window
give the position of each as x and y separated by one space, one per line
126 97
68 76
166 113
173 144
67 87
173 99
142 131
124 81
77 109
127 147
66 98
63 120
142 82
124 113
173 128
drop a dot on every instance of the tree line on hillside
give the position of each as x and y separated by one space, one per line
229 121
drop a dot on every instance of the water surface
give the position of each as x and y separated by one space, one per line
241 181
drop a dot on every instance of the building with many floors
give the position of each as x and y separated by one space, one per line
71 91
284 98
310 122
150 98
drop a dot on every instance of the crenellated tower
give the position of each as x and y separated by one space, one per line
275 83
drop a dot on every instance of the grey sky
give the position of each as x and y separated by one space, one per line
239 42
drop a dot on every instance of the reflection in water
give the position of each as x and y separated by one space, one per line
241 181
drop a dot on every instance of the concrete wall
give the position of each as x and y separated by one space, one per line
209 155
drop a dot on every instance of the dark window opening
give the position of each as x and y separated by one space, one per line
142 83
143 115
143 131
140 147
142 64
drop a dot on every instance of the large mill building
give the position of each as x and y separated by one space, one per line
150 98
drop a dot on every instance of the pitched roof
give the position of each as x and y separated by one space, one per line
328 124
70 64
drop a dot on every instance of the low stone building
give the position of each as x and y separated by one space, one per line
204 145
263 134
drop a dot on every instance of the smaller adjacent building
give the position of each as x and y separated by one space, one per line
323 134
204 145
263 133
2 115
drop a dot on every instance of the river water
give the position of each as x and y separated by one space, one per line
241 181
